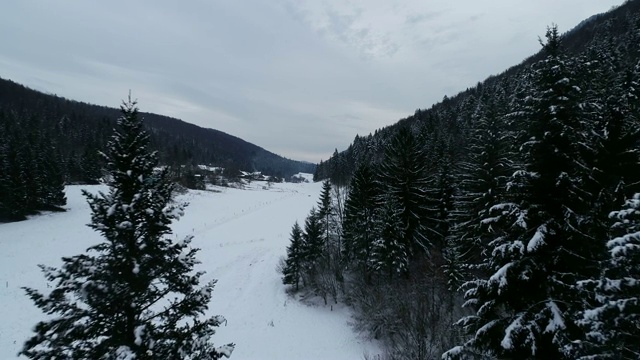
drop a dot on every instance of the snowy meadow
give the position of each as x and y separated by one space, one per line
242 233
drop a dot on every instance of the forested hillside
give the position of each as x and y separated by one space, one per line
614 33
500 223
47 141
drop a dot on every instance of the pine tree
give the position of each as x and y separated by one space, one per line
330 263
312 248
31 176
441 191
53 181
326 213
483 177
90 167
544 250
360 221
390 253
613 152
5 170
292 270
135 294
338 170
18 179
613 160
403 176
613 325
313 240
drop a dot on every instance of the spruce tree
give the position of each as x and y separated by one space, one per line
403 177
313 244
390 254
326 213
18 204
5 194
90 165
545 248
292 270
312 249
53 185
613 324
441 191
135 294
360 220
483 176
613 147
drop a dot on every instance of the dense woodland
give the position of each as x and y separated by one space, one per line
502 222
47 141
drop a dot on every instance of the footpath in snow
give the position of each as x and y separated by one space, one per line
241 234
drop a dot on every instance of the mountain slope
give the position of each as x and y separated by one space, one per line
615 31
79 130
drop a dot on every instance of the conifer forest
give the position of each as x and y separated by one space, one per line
502 222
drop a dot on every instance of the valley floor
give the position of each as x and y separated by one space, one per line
241 234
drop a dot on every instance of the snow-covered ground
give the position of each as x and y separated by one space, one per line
242 234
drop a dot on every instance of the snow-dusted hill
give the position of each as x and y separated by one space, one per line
242 234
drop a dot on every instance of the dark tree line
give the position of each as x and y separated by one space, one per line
502 223
48 141
31 168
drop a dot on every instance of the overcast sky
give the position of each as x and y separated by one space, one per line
297 77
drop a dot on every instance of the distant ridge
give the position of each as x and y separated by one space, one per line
79 128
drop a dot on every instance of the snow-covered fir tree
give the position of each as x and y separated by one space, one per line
544 249
135 295
326 216
613 325
52 177
360 220
312 236
403 176
483 176
444 255
292 271
312 247
390 254
612 99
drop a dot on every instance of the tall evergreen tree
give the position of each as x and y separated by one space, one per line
313 241
483 177
292 271
441 191
5 194
613 153
390 254
135 294
312 249
403 176
545 247
360 218
326 214
53 179
613 325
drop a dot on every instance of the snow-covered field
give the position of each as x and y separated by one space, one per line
242 234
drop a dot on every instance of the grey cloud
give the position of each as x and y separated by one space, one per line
414 19
299 77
